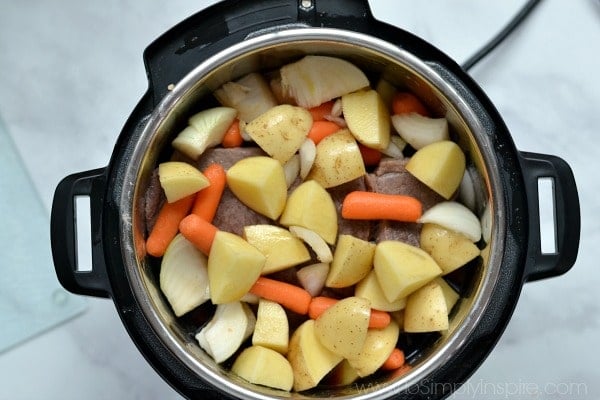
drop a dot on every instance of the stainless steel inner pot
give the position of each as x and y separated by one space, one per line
264 52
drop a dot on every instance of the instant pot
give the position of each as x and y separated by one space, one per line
232 38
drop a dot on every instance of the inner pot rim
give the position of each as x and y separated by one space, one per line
425 70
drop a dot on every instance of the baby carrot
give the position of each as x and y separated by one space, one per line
369 205
167 225
406 102
319 112
233 137
403 369
371 157
289 296
207 200
394 361
318 305
198 231
321 129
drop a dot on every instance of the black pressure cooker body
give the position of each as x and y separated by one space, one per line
229 37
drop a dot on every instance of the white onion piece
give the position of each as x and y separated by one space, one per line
336 110
419 131
455 217
392 150
466 191
316 242
308 152
339 121
243 132
486 223
250 298
291 169
312 277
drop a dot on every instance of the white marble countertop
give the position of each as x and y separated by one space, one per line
71 72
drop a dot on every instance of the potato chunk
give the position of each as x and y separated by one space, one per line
401 268
368 118
263 366
440 165
259 183
352 261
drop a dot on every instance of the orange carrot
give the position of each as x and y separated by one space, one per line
318 305
369 205
207 200
321 129
394 361
319 112
167 225
198 231
233 137
371 157
403 369
289 296
406 102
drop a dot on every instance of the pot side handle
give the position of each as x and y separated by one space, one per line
567 217
63 233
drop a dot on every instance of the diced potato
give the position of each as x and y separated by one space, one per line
450 295
279 246
311 206
272 328
426 310
370 289
179 179
352 261
259 183
310 360
343 374
342 328
314 80
250 96
338 160
233 267
378 346
368 118
281 130
263 366
449 249
386 91
440 166
206 129
401 268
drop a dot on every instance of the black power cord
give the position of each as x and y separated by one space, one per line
500 36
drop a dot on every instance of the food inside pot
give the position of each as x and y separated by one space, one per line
307 229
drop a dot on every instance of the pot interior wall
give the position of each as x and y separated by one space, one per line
194 94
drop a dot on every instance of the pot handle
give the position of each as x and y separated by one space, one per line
63 233
567 218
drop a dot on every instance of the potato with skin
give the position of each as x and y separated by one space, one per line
426 310
378 346
440 166
264 366
342 328
352 261
338 160
310 360
233 267
370 289
281 130
402 268
450 295
368 118
272 328
259 183
279 246
451 250
179 179
311 206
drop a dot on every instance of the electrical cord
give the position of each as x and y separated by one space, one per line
500 36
